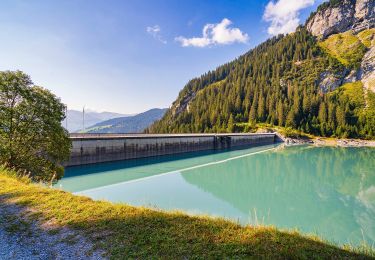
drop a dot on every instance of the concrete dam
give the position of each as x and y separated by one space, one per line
97 148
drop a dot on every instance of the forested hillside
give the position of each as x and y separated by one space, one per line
297 80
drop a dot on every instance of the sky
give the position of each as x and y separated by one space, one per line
128 56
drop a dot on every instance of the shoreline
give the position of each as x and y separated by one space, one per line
325 141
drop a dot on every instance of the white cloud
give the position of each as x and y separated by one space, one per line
284 15
155 32
214 34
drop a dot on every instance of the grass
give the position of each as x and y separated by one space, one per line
367 37
134 232
345 47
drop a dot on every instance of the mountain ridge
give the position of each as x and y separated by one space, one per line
75 118
128 124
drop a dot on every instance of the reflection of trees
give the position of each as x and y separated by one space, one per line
299 186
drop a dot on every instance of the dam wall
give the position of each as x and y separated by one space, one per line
97 148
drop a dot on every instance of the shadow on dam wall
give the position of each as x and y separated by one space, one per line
97 148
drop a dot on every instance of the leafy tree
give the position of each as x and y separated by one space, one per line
31 136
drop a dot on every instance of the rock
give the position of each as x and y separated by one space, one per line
367 70
353 15
332 20
351 77
364 15
297 141
329 81
282 83
183 104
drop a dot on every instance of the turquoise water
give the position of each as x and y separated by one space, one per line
320 190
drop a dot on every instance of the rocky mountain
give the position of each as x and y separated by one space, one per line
319 79
340 16
128 124
74 119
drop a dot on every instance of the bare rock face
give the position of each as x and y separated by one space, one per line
353 76
367 70
329 81
364 14
179 107
332 20
353 15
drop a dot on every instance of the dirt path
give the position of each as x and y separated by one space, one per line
22 236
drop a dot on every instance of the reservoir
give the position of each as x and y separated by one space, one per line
325 191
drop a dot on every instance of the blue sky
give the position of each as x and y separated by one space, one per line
132 55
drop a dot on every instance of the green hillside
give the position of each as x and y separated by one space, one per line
346 47
280 83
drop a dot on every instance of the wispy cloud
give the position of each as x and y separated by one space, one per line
155 32
284 15
215 34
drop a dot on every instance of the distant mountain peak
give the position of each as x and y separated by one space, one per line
74 118
128 124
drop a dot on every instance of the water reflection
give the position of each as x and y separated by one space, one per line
79 178
330 191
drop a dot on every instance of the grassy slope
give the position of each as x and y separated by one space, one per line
345 47
367 37
126 231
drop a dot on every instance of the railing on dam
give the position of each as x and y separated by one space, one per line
96 148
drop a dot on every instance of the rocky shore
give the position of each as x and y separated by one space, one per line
330 142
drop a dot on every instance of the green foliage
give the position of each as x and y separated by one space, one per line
355 113
331 4
371 99
367 37
351 93
31 136
345 47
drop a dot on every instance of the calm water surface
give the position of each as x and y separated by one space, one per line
321 190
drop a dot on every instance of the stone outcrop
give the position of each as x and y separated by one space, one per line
329 81
177 108
367 70
353 15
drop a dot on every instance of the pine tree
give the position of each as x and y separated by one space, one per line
230 124
280 113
